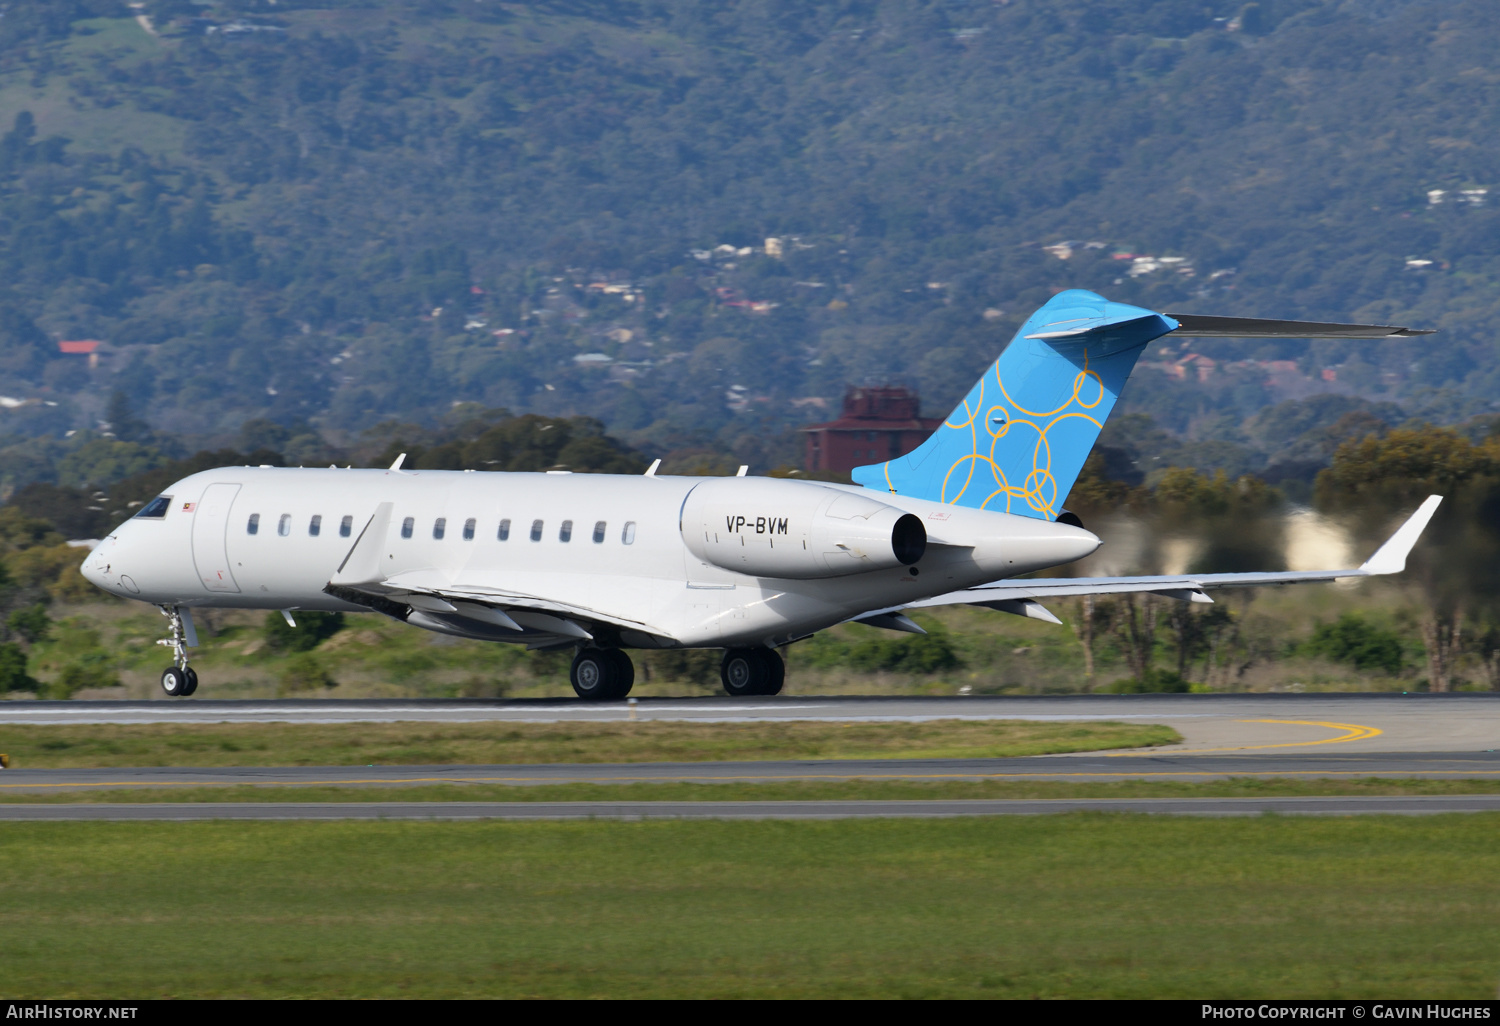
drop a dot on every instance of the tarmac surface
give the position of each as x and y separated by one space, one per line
1344 806
1185 767
1463 722
1263 735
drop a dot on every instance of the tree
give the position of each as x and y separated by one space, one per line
1456 566
1132 621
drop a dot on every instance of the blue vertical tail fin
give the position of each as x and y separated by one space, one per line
1020 437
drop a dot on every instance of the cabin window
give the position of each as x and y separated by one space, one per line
627 536
469 529
346 527
565 532
252 526
156 509
315 526
504 530
407 525
284 525
536 530
439 528
599 528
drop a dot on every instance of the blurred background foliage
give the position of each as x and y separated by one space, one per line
535 237
320 216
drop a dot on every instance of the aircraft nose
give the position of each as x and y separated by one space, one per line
98 566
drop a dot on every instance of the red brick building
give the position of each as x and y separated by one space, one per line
877 424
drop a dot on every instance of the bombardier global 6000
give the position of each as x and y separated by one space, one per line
606 563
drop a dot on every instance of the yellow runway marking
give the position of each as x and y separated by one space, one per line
1353 732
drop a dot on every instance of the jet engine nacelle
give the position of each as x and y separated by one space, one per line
768 527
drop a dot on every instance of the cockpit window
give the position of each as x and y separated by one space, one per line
156 508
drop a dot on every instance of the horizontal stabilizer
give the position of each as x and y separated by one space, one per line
1200 326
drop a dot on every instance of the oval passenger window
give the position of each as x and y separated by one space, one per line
504 534
284 525
565 533
599 528
315 526
627 536
536 530
440 528
346 527
469 529
407 525
252 526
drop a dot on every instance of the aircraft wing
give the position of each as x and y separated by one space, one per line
1024 597
427 598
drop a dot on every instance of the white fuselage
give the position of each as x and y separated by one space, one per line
624 564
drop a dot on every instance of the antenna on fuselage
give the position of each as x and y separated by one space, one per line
744 469
399 460
651 470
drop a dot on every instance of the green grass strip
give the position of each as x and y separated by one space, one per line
1053 906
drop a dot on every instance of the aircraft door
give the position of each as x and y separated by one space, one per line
210 534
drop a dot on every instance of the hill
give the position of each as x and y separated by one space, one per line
333 213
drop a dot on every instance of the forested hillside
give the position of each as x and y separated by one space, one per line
327 214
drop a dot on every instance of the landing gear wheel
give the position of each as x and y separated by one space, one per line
626 670
777 667
178 680
174 682
600 675
751 671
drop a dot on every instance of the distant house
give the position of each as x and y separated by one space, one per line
877 424
82 347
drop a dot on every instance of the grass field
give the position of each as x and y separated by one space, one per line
1066 906
356 744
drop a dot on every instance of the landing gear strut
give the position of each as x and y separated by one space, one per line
602 674
179 680
752 671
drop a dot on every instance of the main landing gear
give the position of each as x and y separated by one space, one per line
752 671
178 680
605 674
602 674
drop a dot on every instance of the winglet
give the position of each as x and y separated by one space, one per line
1390 558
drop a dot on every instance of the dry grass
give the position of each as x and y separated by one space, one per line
735 791
354 744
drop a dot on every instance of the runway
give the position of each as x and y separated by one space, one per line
1161 766
820 810
1466 722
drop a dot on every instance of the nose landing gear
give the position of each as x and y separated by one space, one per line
179 680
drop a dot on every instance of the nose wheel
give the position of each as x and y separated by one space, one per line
179 683
179 680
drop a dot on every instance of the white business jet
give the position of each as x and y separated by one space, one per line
605 563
